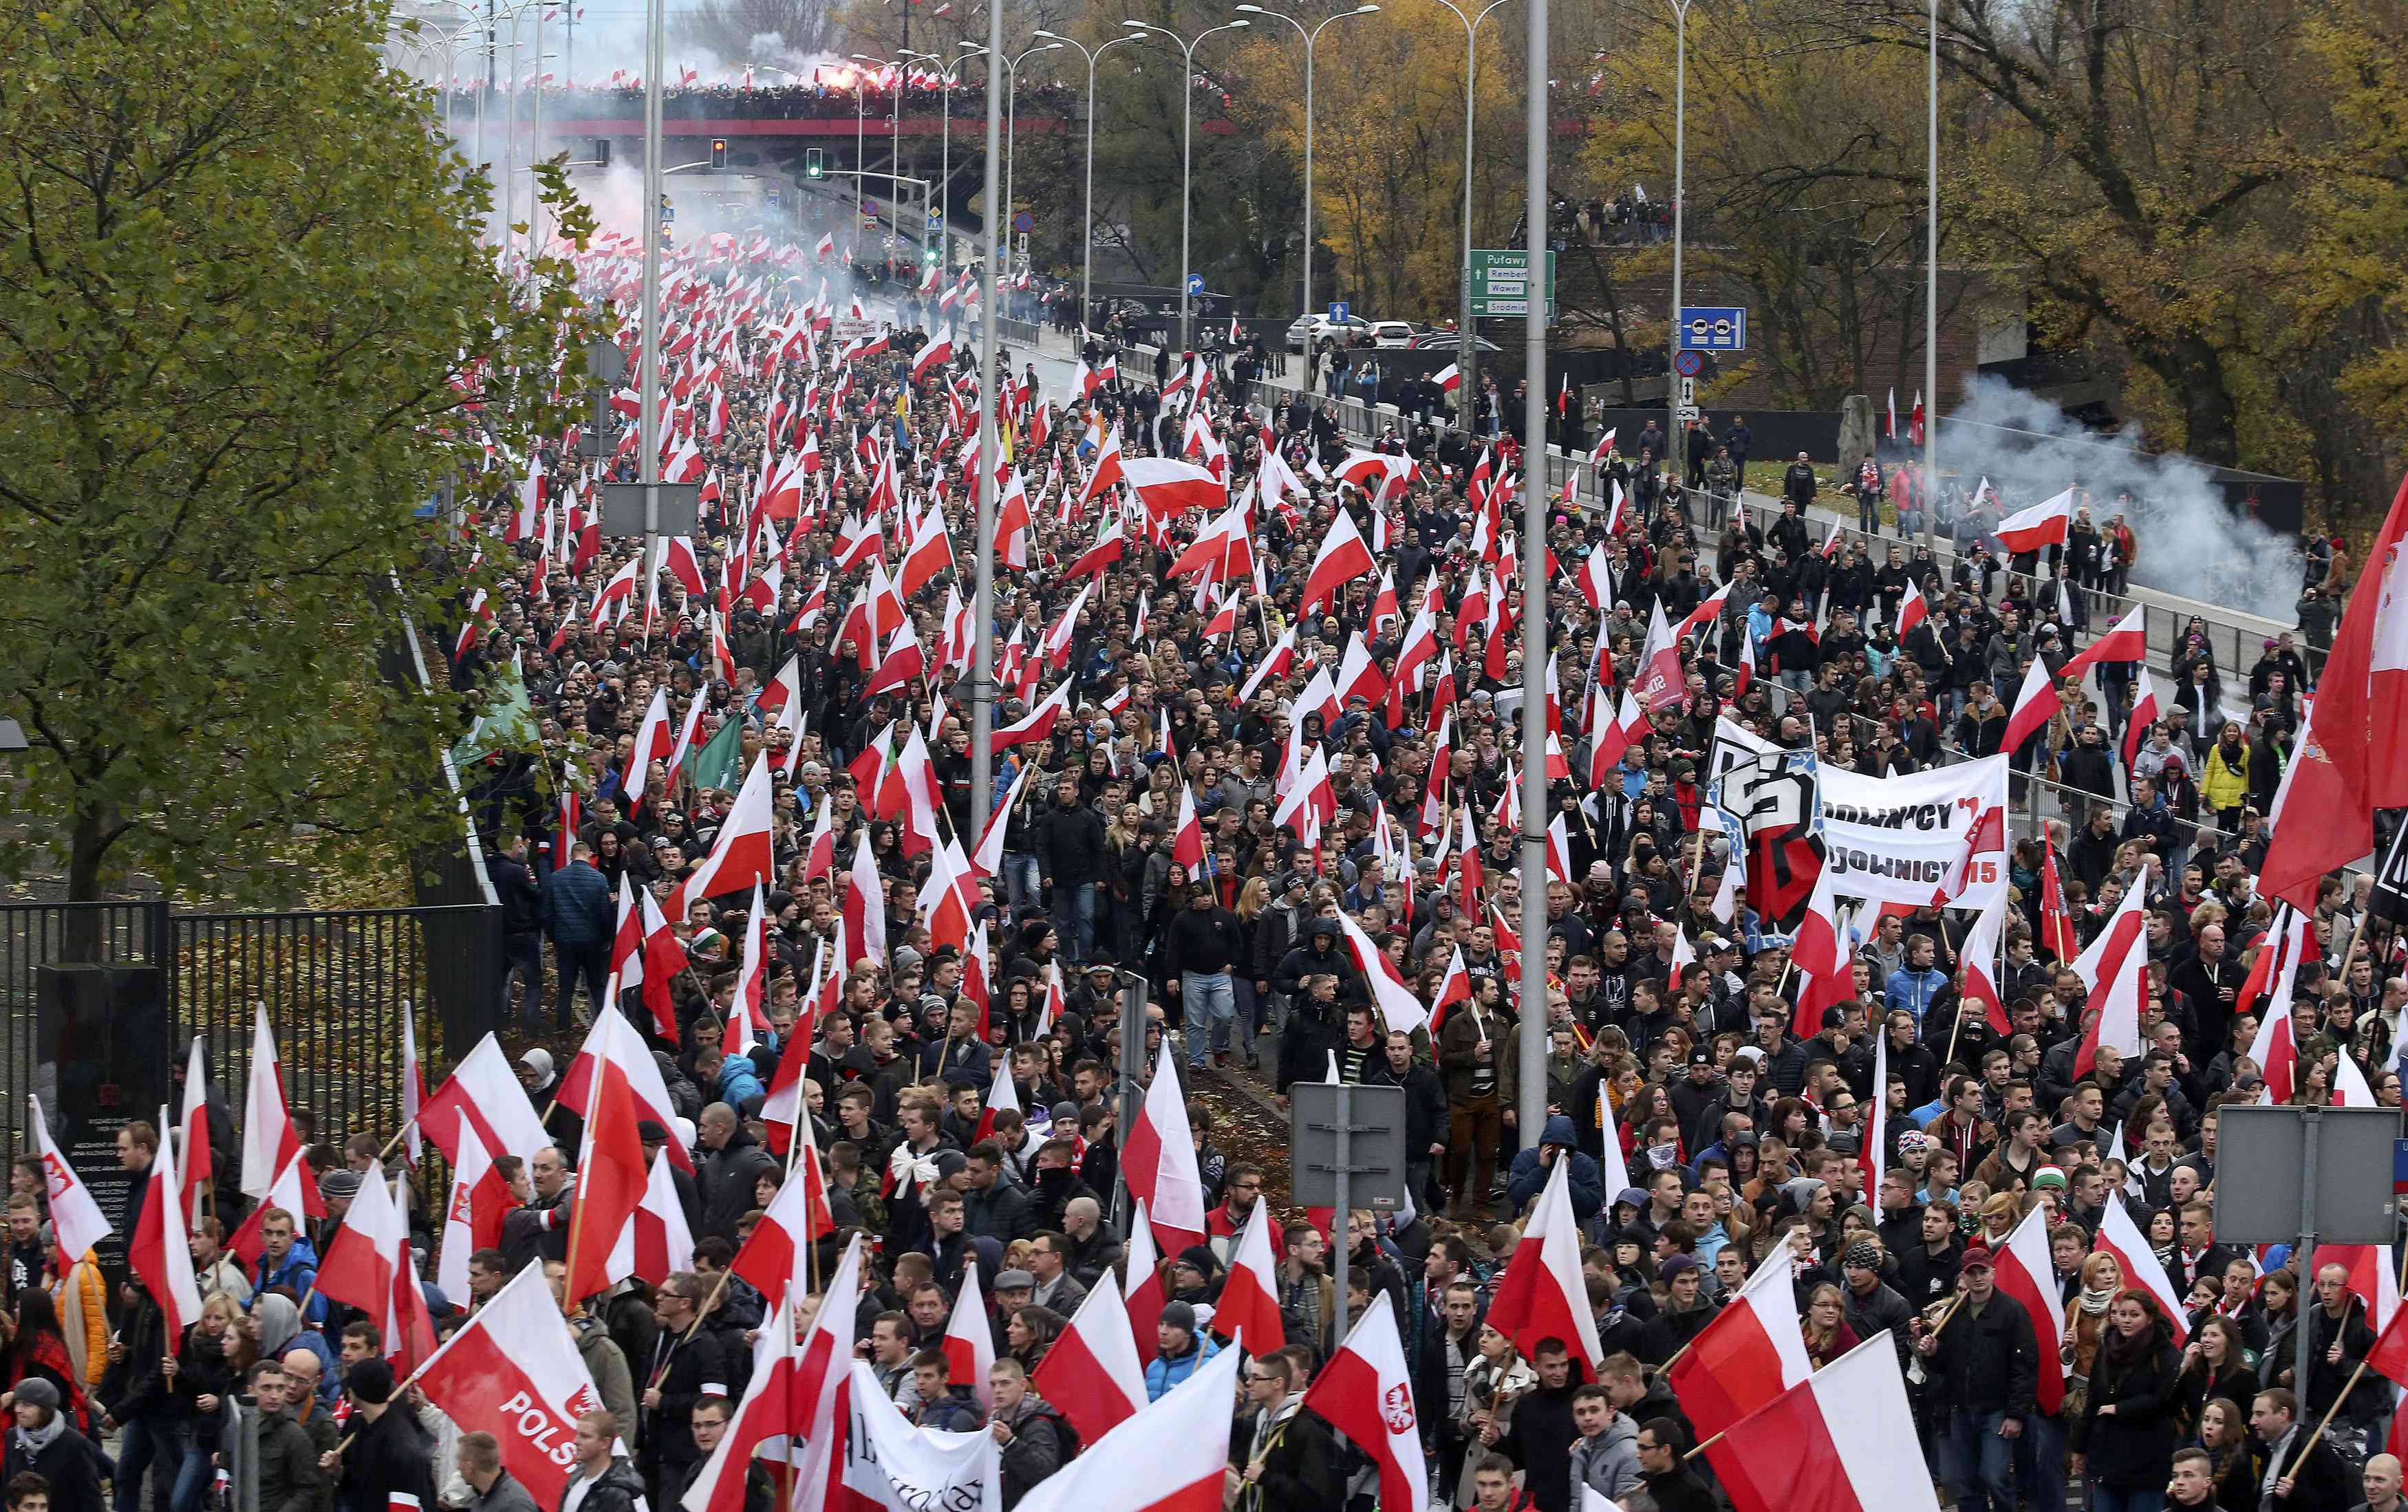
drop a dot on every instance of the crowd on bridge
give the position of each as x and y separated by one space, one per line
1950 1127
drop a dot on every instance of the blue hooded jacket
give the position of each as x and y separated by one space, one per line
1529 1177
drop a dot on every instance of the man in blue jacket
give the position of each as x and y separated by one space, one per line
1533 1168
581 919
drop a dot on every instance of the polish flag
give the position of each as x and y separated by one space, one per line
1343 558
865 906
1092 1372
772 1254
1173 1457
75 1216
367 1265
1250 1294
2056 925
611 1176
2122 1237
796 1392
1752 1352
1876 1139
1108 469
269 1141
1169 489
1821 957
1843 1442
2035 706
1365 1392
484 1090
2145 713
294 1193
2027 1274
2115 969
645 952
2044 523
196 1131
1448 378
740 855
1913 611
1159 1161
612 1038
1141 1292
934 353
473 1211
969 1343
1456 988
514 1371
1610 1161
1977 965
1037 724
2128 641
1543 1295
2276 1049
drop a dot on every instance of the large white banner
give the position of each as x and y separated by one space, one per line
911 1469
1898 839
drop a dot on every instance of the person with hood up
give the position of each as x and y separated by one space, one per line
384 1456
42 1442
1533 1168
1183 1349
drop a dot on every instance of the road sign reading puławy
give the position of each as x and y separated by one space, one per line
1500 283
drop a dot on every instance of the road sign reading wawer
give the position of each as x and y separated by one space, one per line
1500 283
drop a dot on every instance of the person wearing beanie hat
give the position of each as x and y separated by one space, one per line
1870 1304
386 1455
1182 1349
43 1442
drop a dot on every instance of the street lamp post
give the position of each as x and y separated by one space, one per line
1186 143
1011 126
1676 440
985 484
1310 38
1466 361
1087 219
1930 499
1533 1050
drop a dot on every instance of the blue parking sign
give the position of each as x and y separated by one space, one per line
1713 328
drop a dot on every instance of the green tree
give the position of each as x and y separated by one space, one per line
249 328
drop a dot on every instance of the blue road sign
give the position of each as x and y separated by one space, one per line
1688 363
1337 309
1713 327
1195 284
1023 222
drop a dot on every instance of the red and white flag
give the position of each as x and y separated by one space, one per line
740 855
1160 1160
2115 969
1544 1293
1754 1350
611 1178
483 1090
2027 1274
772 1256
865 906
293 1193
1365 1392
1169 489
197 1156
1249 1305
473 1211
367 1265
413 1087
968 1344
2122 1237
657 1241
2044 523
1911 610
1092 1372
612 1038
514 1371
2036 704
1141 1291
1343 557
76 1218
1844 1441
2144 715
1173 1457
2127 641
269 1141
160 1250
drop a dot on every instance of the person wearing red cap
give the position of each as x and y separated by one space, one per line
1980 1358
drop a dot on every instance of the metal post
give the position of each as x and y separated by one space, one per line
860 161
647 382
1087 215
1466 357
535 143
1338 1222
2306 1254
983 606
1931 290
1676 440
510 142
1132 1071
1532 1113
1186 179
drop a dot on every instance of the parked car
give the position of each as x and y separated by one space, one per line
1450 341
1307 329
1394 336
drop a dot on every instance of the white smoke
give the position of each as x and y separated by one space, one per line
2191 542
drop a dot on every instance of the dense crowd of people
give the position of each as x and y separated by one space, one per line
1157 833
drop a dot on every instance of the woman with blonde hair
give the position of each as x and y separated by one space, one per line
2086 1324
1254 901
1826 1326
2001 1212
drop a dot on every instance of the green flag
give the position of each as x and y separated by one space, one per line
719 761
507 724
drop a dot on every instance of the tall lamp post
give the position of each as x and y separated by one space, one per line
1676 440
860 154
1466 361
1186 142
1087 219
1011 127
1533 1035
1931 283
1310 38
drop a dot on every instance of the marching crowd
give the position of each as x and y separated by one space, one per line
967 1098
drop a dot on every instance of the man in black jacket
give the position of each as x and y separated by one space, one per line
687 1365
1070 844
1426 1115
733 1163
385 1456
2305 1479
1205 945
1540 1439
601 1481
1283 1457
1983 1362
521 925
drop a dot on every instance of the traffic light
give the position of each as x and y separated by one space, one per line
719 152
601 151
815 166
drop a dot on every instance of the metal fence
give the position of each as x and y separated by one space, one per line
335 984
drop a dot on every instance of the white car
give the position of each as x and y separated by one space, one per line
1307 330
1392 335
